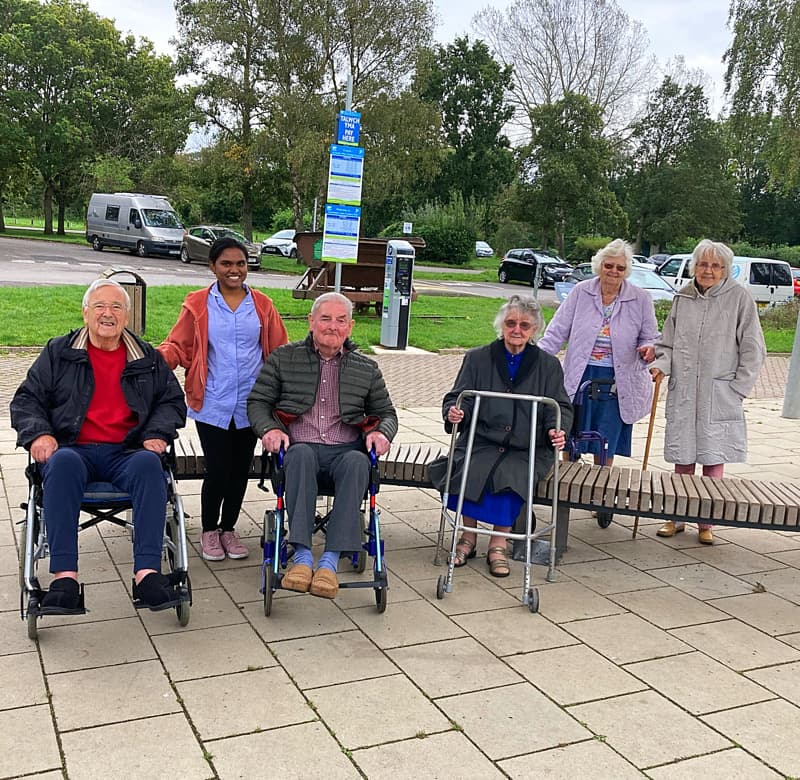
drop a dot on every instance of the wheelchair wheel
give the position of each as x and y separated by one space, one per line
268 590
184 609
33 628
380 600
604 519
533 600
22 550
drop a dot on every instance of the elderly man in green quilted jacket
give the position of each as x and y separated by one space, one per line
327 405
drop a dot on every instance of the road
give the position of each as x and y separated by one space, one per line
24 263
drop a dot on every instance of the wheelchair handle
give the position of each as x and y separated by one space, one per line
373 456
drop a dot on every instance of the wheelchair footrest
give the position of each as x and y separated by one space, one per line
179 599
35 605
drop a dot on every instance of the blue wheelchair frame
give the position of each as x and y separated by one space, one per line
277 550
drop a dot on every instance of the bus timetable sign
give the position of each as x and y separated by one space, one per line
348 128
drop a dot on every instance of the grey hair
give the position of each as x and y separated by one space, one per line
98 283
523 306
332 297
616 248
723 253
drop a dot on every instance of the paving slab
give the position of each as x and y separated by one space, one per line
583 759
575 674
248 756
512 719
330 659
438 757
765 611
629 723
139 749
668 607
21 681
377 711
764 730
733 764
566 601
783 680
698 683
243 702
703 581
610 576
16 728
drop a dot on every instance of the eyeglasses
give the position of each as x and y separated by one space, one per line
511 324
715 267
116 308
614 266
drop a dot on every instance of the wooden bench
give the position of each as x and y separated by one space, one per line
405 465
737 503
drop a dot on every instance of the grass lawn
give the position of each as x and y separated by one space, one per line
31 315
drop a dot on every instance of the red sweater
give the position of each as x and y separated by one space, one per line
109 417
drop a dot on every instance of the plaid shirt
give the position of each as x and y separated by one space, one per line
322 424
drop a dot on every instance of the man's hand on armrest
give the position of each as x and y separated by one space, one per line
42 447
159 446
271 441
380 442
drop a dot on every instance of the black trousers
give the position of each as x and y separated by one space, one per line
228 454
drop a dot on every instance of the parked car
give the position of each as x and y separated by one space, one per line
796 280
520 265
579 273
482 249
197 241
280 243
659 258
769 281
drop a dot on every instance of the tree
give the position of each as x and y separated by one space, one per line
565 172
588 47
763 76
76 88
469 88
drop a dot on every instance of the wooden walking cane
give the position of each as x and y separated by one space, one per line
657 383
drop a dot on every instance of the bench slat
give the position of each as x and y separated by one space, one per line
681 499
692 496
703 494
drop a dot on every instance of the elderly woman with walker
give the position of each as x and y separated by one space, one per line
499 460
712 348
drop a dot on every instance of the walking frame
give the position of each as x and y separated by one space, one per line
530 596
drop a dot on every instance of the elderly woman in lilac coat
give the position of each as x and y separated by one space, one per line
609 327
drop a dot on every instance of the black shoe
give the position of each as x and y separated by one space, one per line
63 597
155 592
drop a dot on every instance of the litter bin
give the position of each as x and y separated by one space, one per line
137 291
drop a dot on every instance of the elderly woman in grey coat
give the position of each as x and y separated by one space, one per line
498 475
712 348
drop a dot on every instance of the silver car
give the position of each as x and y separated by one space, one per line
280 243
197 242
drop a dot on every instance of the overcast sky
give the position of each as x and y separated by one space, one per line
696 29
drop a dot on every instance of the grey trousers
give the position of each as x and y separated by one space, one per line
347 467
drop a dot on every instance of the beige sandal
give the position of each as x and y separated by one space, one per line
466 552
498 566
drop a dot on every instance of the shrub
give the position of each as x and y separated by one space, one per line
586 246
782 317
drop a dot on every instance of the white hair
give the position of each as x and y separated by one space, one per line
98 283
616 249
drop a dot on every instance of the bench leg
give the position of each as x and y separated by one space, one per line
540 551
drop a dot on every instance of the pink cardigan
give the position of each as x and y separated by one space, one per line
633 324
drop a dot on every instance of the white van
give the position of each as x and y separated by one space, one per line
144 224
769 281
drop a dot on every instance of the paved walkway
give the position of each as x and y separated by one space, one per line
649 657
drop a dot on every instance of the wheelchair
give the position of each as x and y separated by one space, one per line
278 552
101 501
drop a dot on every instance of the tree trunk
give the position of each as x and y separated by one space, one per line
2 215
48 207
247 210
61 212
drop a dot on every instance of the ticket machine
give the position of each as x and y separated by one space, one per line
397 294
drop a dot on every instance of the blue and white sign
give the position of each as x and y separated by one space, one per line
340 235
345 175
348 128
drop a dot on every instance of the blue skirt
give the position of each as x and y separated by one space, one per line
603 417
494 508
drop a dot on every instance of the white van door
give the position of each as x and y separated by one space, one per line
676 271
769 281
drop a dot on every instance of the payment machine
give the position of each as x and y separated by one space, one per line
397 294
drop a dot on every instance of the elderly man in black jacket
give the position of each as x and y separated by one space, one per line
330 403
100 405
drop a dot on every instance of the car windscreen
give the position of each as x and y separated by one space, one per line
161 218
649 280
224 232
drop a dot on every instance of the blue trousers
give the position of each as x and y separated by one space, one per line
347 466
136 472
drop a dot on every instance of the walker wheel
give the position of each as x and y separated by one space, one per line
604 519
533 600
440 586
380 600
268 581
